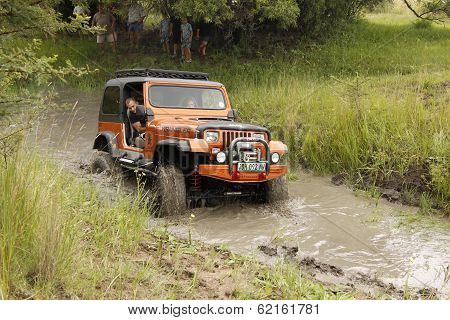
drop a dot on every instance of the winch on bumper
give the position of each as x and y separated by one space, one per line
244 162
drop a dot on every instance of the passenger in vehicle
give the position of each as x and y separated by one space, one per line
190 103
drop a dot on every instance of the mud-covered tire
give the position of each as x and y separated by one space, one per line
276 190
102 162
171 188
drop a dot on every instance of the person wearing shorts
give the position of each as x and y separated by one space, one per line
186 39
204 32
175 33
164 32
136 15
106 21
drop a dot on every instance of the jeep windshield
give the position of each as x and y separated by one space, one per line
170 96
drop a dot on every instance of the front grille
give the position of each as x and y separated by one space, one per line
228 136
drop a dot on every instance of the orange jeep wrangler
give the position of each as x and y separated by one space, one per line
192 146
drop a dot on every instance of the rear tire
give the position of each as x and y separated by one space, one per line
276 190
102 162
171 187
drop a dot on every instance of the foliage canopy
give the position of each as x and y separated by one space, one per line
23 72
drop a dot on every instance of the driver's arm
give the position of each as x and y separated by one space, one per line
138 127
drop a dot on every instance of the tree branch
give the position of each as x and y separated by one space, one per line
423 15
14 31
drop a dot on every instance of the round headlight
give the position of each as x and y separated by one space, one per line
212 136
221 157
275 157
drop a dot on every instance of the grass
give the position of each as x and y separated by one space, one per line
62 238
361 103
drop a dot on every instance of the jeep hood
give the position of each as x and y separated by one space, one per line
199 126
230 125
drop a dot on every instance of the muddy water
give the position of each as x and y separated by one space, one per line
70 132
326 222
331 225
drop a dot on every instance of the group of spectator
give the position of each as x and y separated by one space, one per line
174 32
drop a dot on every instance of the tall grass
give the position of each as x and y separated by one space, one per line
49 219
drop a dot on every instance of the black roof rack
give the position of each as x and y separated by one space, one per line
158 73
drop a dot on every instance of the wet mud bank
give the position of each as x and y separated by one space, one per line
406 189
329 233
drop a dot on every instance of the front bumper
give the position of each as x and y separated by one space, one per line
232 162
222 172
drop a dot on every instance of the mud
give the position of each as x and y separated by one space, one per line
330 233
403 188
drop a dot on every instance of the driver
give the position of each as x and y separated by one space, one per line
137 115
138 119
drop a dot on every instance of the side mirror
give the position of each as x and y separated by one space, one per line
232 114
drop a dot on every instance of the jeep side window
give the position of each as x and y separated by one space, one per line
111 101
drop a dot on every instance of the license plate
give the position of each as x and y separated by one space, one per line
251 167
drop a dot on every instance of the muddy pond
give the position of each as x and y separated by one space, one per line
339 237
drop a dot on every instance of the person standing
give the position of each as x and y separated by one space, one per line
112 8
186 39
136 15
164 33
106 21
175 32
81 9
204 32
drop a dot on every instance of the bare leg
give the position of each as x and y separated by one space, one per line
138 37
167 47
130 38
102 48
188 54
200 50
204 50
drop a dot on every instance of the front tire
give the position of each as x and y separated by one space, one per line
276 190
171 187
102 162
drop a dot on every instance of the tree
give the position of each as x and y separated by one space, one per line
320 17
23 72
